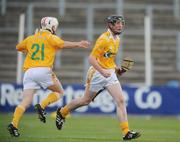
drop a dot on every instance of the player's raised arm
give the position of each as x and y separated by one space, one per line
81 44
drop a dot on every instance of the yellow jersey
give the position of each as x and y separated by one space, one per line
105 50
41 49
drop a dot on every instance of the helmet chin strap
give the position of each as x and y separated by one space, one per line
52 31
117 33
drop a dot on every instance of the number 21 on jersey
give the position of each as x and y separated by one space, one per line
36 49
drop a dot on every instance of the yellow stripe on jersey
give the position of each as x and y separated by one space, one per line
105 50
41 49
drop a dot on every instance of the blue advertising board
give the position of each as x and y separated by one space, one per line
139 100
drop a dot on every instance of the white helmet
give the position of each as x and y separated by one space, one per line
49 23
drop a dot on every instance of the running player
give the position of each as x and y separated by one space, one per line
102 74
40 50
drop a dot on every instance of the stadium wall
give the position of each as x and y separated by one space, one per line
155 100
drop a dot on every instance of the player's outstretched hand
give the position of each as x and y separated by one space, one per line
126 65
84 44
119 71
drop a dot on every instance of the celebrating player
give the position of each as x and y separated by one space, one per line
40 50
102 74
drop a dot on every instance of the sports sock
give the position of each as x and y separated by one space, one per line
64 111
52 97
124 127
17 115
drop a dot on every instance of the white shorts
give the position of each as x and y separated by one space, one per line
97 82
35 78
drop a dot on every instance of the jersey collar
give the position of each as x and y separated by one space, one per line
111 35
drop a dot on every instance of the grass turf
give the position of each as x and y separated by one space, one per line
91 128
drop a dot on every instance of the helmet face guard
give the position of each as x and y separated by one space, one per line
111 20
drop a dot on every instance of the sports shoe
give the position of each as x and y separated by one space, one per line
41 113
131 135
59 119
13 130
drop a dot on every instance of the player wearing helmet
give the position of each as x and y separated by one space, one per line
112 20
40 50
102 74
50 24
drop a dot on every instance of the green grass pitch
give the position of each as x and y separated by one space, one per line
91 128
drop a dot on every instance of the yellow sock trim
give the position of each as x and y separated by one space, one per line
52 97
64 111
17 115
124 127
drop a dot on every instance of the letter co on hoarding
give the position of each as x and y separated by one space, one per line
146 99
